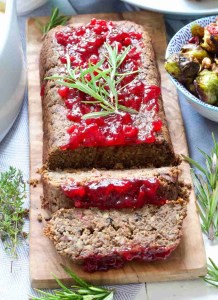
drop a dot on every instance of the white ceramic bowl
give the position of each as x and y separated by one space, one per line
175 45
12 69
26 6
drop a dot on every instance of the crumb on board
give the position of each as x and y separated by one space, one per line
33 182
39 218
41 170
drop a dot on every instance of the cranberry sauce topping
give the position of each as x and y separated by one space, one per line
114 193
85 46
42 92
116 260
194 40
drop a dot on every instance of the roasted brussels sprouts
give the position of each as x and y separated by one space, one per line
206 84
211 38
197 30
189 68
194 51
182 67
172 66
191 88
214 67
196 65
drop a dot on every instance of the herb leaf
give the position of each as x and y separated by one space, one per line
212 274
105 93
83 291
206 186
12 194
55 20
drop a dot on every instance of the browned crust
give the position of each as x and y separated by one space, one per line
55 122
51 51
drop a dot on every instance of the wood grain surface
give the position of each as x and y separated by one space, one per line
188 260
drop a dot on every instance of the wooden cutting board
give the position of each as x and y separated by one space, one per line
188 261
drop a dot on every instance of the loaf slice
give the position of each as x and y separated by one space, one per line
108 189
61 148
101 240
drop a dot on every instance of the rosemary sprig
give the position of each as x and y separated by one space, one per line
12 213
212 274
206 186
83 291
103 83
55 20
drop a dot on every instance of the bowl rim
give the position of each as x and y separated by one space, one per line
179 86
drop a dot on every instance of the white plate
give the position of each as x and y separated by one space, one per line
182 7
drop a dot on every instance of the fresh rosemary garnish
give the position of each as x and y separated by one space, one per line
12 213
103 83
83 291
55 20
212 274
206 186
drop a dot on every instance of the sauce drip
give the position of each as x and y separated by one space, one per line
116 260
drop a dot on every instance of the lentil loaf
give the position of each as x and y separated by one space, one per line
101 240
155 153
108 189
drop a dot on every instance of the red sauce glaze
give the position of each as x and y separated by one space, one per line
194 40
116 260
114 193
42 92
84 46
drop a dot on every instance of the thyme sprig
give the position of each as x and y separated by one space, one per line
84 291
12 213
206 186
212 274
102 84
55 20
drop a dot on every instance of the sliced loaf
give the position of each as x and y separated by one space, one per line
101 240
108 189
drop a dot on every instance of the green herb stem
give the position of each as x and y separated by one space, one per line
12 213
206 187
105 93
212 274
84 291
55 20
